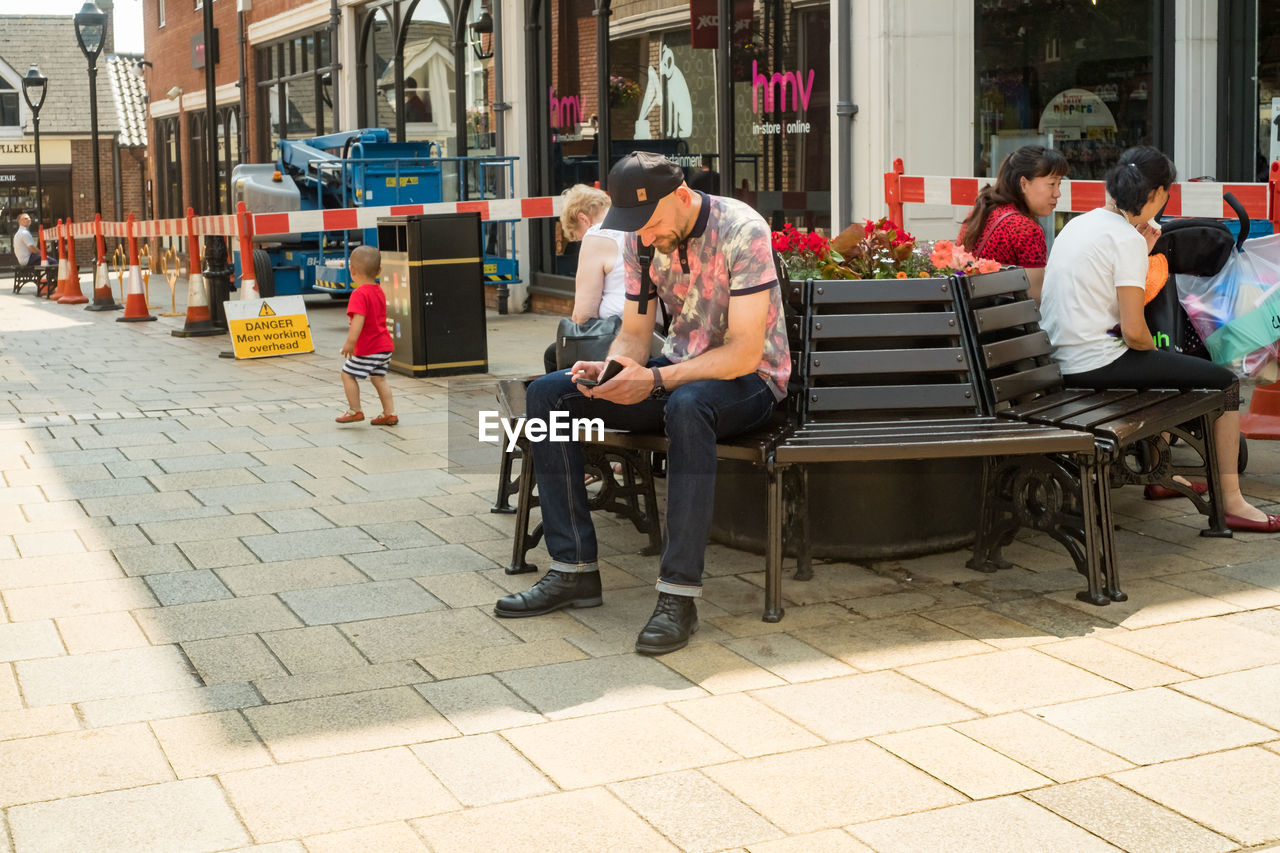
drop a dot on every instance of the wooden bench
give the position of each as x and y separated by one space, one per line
886 374
1021 383
43 276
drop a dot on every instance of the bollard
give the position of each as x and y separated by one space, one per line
199 320
135 300
103 300
72 295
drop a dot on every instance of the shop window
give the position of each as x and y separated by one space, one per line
428 98
295 90
1079 77
378 101
1268 93
9 97
168 188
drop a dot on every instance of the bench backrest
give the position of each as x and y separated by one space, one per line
1011 351
881 349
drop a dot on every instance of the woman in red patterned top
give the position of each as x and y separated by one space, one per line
1002 225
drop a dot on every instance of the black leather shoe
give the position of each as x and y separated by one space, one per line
674 620
555 591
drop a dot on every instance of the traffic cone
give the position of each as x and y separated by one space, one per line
103 300
72 295
199 317
248 284
135 298
62 262
1263 418
44 250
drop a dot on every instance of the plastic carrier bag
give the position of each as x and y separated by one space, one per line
1237 311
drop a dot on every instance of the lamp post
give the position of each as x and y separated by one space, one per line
218 271
34 87
91 31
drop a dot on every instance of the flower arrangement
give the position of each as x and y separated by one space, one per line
623 91
477 118
869 249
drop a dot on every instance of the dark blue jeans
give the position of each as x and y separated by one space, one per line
693 417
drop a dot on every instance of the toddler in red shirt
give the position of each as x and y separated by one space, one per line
368 345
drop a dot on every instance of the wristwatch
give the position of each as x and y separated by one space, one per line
659 390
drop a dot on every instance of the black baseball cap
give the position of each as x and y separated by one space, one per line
637 183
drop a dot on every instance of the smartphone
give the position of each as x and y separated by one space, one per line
611 369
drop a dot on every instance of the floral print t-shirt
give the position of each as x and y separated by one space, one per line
729 253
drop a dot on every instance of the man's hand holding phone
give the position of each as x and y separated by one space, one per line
619 380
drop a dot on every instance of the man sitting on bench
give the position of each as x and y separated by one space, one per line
723 370
25 248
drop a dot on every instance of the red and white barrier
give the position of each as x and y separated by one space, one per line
1194 198
300 221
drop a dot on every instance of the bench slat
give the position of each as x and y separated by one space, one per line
1048 401
1026 382
882 290
1176 411
1079 405
936 445
999 317
930 324
910 397
1035 345
1116 409
881 361
995 284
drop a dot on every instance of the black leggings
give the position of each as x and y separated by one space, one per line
1143 369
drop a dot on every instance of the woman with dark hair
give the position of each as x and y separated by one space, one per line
1092 307
1002 225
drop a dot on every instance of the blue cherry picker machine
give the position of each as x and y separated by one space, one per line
361 168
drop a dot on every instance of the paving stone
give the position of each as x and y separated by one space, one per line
83 762
232 659
141 508
332 794
187 587
1153 602
338 541
479 703
296 520
572 822
889 643
745 725
718 670
34 722
788 658
100 632
111 538
170 703
1266 621
357 602
205 619
1199 646
458 662
65 568
339 681
794 790
206 462
1232 793
964 764
1157 724
187 481
378 511
968 829
403 534
218 553
78 598
989 627
1252 693
482 769
206 744
610 747
694 812
421 562
1010 680
580 688
195 530
262 578
354 722
255 498
470 589
385 838
1114 663
103 675
403 637
313 650
859 706
176 816
1127 820
152 559
1217 584
1055 618
1045 749
10 696
29 640
47 544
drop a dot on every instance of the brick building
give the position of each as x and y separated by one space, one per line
66 152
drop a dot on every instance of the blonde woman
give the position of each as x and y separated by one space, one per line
599 288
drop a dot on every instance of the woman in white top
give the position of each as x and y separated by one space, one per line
1092 307
600 289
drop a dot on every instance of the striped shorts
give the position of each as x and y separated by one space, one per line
364 366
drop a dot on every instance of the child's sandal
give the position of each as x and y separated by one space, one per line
385 420
349 417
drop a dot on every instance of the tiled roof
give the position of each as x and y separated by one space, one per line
129 92
50 41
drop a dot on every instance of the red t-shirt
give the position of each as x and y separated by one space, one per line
1012 238
370 301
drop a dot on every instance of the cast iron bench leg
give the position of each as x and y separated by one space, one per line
522 541
773 610
1095 494
506 485
1217 514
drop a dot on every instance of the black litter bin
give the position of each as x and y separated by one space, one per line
432 274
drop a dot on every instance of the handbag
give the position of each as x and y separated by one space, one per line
589 341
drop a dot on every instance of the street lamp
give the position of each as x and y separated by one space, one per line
91 31
482 26
34 87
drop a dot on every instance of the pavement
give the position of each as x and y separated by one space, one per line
229 623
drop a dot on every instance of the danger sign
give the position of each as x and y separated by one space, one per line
274 326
